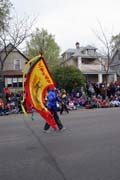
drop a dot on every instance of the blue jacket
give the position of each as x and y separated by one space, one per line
52 100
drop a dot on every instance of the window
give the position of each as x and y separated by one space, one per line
91 52
17 64
14 82
9 82
19 82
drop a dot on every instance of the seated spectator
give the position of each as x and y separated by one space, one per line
89 103
71 105
76 103
82 101
1 107
6 109
99 101
95 100
104 104
115 102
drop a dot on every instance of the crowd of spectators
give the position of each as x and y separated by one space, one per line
10 102
93 95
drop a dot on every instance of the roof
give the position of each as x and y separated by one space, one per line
11 46
70 50
12 73
90 47
81 48
79 51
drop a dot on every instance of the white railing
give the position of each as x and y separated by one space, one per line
90 67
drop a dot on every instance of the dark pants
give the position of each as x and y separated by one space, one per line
64 108
57 120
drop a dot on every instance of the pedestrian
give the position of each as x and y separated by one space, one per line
52 107
64 103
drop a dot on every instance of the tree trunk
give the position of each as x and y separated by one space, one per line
2 84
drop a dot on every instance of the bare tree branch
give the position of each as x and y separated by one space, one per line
18 31
106 51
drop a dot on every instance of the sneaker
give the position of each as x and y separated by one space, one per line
64 128
46 131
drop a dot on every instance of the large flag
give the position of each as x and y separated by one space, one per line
36 81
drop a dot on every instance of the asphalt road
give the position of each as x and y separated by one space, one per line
89 149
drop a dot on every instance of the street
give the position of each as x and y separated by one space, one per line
89 148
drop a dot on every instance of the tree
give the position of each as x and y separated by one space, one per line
5 6
106 50
18 31
68 77
115 41
14 34
42 42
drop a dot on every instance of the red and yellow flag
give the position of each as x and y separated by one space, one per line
36 82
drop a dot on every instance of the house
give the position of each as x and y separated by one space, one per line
89 61
116 62
13 67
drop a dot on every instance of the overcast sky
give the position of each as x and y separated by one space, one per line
73 20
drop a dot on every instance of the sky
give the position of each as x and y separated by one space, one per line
72 21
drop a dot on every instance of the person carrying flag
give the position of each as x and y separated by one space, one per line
52 107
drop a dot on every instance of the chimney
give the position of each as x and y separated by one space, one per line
77 44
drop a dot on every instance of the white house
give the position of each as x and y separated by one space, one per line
90 63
